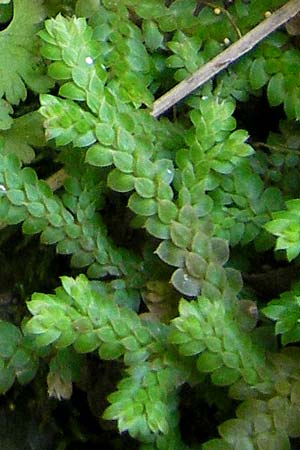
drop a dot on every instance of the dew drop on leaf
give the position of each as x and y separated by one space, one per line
89 60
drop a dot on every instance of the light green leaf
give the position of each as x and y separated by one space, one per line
144 187
5 111
125 140
153 37
110 350
100 156
16 196
23 136
36 209
59 71
119 181
105 133
71 91
18 46
123 161
87 343
142 206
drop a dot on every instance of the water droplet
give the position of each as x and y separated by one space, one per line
204 97
89 60
227 41
169 171
2 188
186 277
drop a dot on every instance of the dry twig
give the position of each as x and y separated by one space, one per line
227 57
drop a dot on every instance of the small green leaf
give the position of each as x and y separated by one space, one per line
225 376
216 275
123 161
33 225
73 230
232 428
144 167
209 362
106 334
231 360
51 235
87 342
272 199
71 91
180 235
202 203
167 211
220 248
194 347
82 259
105 133
16 196
195 265
20 359
185 283
142 206
82 325
100 156
59 71
125 141
48 337
36 209
144 187
67 247
119 181
164 170
15 214
201 245
83 140
4 207
96 271
51 52
110 350
153 37
170 254
10 338
130 343
258 75
276 89
156 228
187 216
106 112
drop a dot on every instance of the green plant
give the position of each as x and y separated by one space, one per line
168 301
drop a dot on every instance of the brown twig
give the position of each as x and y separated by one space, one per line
56 180
227 57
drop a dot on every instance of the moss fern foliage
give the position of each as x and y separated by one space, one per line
168 224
